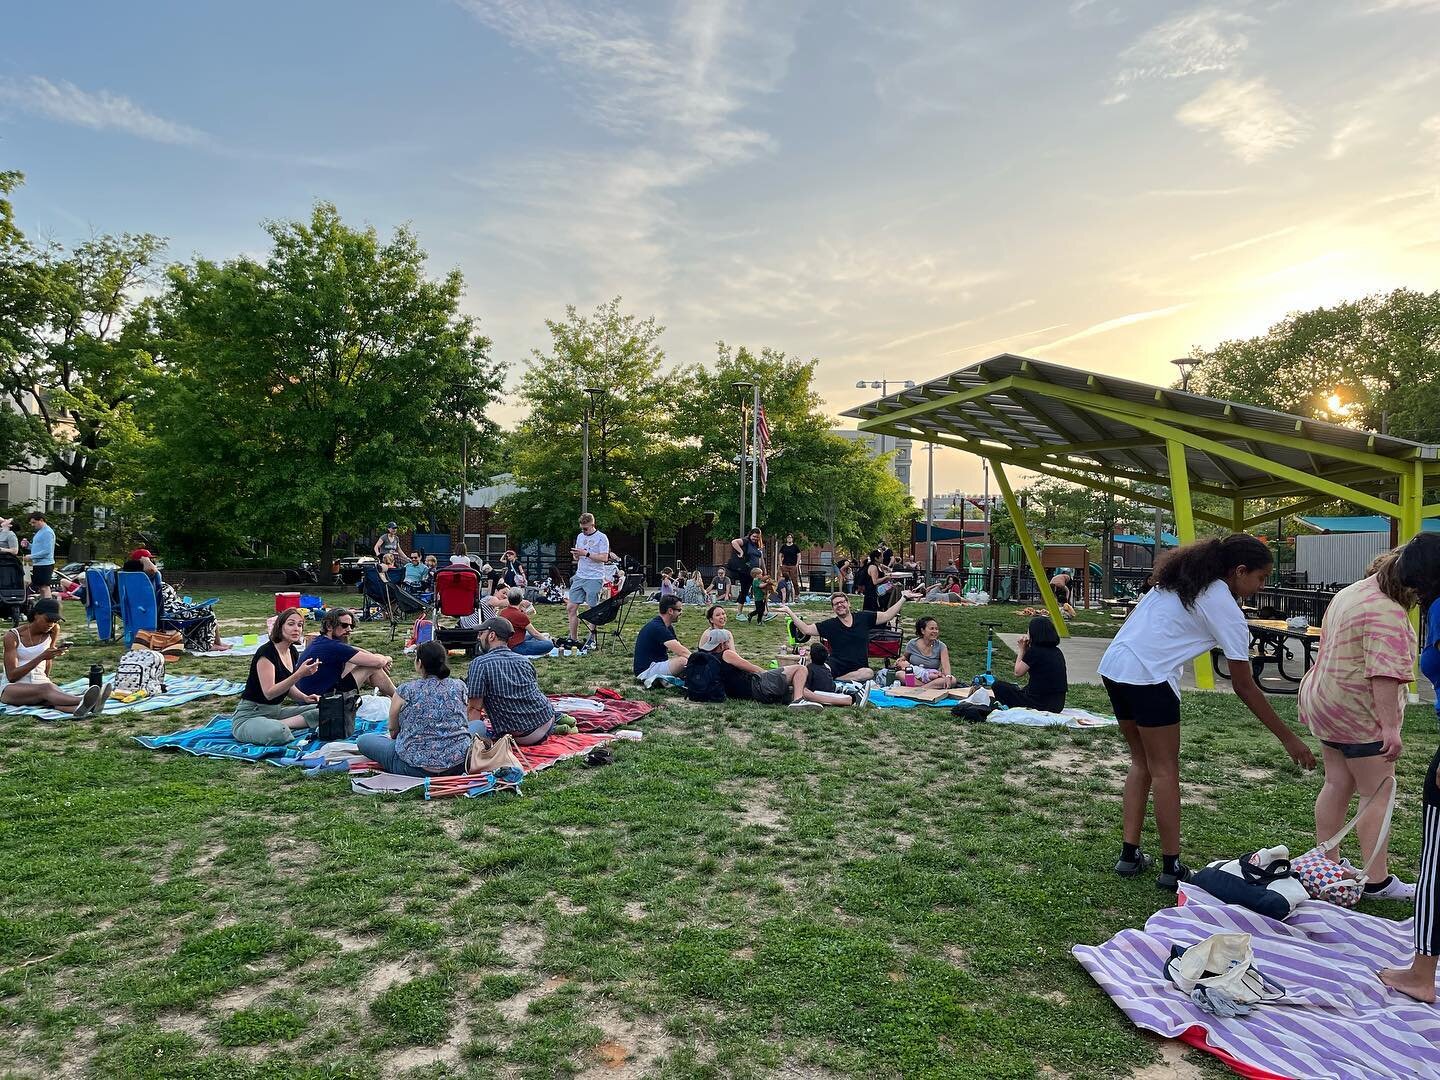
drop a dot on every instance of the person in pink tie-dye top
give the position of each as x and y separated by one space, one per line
1353 701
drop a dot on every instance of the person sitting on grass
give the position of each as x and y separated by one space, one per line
272 708
30 650
848 634
926 656
720 585
526 640
504 693
427 733
694 590
1037 654
718 640
657 651
796 685
343 667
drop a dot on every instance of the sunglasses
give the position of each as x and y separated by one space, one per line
345 625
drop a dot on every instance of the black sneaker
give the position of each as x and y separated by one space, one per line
1135 866
1171 882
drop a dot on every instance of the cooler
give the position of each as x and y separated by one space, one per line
286 600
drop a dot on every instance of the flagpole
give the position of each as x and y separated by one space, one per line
755 462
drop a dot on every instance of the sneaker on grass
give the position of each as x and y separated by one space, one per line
803 703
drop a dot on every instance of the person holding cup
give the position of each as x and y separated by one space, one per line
272 708
926 660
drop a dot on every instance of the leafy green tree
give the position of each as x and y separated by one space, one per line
633 446
74 346
302 394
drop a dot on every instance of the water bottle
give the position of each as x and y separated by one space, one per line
96 675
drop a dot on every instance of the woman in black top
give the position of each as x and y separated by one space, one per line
1038 654
272 711
746 556
871 575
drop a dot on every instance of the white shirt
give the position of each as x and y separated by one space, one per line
1161 636
597 543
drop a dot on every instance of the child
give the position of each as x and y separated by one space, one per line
1038 655
761 588
667 582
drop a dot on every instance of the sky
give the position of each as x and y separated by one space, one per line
895 188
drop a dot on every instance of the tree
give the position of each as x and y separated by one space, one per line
73 338
633 448
1373 362
820 486
305 393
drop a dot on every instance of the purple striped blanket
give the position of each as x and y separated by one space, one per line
1337 1020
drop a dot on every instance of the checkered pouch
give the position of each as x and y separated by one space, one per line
1327 880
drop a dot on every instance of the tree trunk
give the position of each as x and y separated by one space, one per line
327 546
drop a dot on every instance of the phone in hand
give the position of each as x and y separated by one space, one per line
63 646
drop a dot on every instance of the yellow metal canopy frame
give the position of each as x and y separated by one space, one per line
1093 430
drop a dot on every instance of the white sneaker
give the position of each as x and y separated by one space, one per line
1395 890
803 703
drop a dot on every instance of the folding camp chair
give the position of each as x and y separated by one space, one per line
614 610
397 604
139 609
12 587
100 602
457 589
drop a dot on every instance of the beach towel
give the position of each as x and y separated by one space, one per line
1070 718
215 740
237 648
1337 1021
179 690
613 712
557 748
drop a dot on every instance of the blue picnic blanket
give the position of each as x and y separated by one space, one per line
1071 718
215 739
179 690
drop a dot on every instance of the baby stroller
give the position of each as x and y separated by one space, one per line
12 587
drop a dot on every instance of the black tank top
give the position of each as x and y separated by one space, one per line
870 589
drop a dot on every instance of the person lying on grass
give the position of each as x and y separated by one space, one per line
796 685
504 692
30 649
657 650
926 656
343 667
428 732
1038 655
848 634
272 707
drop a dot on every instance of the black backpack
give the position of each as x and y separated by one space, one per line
704 679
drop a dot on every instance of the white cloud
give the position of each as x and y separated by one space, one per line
1367 117
1378 6
100 111
1115 324
923 334
1249 117
1194 43
1241 245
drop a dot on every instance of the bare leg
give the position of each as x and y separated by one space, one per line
1137 784
1162 758
1416 981
46 694
370 676
799 676
734 659
858 675
572 612
1332 805
677 664
1369 776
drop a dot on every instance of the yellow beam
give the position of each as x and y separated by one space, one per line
1027 542
1284 511
1228 428
1274 468
1237 514
959 397
1430 510
1185 530
1115 489
1412 516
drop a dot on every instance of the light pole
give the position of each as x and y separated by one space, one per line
743 390
930 517
883 385
1186 364
592 392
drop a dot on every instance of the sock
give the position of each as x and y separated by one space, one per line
1130 852
1172 863
1376 886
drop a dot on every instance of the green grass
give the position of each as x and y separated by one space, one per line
747 892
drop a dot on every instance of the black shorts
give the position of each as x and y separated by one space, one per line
41 576
1155 705
770 687
1356 749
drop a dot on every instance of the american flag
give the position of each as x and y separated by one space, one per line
762 443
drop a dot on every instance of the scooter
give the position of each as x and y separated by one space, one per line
988 678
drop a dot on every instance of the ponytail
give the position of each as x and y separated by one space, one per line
434 659
1190 570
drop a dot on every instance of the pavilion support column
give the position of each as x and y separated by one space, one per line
1185 530
1411 521
1032 556
1237 514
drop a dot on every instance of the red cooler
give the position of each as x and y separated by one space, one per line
286 600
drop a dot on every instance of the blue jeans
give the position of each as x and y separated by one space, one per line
380 748
533 647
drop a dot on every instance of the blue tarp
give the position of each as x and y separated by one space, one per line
1166 539
970 529
1359 523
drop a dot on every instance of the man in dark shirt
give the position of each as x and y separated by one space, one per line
342 665
657 651
503 690
790 563
848 633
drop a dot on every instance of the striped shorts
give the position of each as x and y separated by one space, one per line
1427 887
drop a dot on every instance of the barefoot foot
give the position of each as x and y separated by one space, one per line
1405 981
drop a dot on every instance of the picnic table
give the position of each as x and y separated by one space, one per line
1269 645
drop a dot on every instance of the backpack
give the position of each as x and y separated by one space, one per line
140 671
704 681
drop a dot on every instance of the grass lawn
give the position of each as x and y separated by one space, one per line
750 891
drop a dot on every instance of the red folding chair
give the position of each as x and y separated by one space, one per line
457 590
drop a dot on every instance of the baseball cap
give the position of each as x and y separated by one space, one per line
141 553
392 525
49 607
499 626
715 639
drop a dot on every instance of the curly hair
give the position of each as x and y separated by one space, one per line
1190 570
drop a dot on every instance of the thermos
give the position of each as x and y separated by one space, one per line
96 675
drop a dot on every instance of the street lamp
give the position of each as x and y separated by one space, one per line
593 392
1186 364
742 389
883 385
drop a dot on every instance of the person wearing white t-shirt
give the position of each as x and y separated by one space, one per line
592 569
1192 608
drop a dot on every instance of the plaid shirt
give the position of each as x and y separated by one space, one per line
506 683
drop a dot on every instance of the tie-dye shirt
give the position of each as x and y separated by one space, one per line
1365 636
